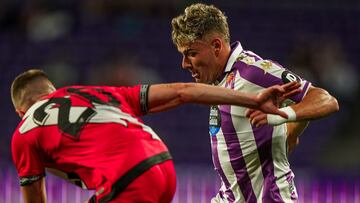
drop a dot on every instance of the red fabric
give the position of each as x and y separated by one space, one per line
107 146
156 185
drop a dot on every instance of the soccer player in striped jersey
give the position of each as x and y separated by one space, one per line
93 136
250 157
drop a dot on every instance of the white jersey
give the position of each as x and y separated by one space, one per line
251 161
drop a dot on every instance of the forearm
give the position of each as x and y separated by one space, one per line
167 96
213 95
316 104
34 192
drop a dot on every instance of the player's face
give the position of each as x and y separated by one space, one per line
201 59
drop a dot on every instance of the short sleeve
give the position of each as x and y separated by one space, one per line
26 158
266 73
136 97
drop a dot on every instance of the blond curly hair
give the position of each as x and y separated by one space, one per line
197 21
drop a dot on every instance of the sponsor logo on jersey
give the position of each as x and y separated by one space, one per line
288 76
214 120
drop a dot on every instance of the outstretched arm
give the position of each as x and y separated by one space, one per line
34 192
163 97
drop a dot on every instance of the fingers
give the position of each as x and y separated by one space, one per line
277 89
255 114
286 88
256 117
291 86
290 89
291 93
248 112
261 122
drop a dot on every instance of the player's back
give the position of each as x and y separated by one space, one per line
90 132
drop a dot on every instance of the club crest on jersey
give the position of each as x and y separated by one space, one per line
288 76
214 120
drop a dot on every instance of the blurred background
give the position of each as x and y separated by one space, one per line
109 42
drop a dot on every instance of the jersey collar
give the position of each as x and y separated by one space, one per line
236 49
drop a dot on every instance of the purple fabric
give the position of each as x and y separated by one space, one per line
298 97
263 138
290 179
236 159
257 76
218 169
252 54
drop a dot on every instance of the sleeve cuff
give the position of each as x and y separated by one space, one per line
144 91
30 179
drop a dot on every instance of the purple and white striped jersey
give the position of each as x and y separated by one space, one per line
251 162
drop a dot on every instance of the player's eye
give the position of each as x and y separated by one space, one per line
192 54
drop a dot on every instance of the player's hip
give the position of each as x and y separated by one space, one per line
152 180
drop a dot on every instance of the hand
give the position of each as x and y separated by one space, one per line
257 118
270 98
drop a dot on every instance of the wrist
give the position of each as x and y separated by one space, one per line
277 120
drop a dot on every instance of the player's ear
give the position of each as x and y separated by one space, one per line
216 44
20 113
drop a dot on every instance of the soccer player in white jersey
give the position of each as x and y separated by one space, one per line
250 157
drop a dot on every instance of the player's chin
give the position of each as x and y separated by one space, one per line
198 80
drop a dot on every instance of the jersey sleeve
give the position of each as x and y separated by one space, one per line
26 158
266 73
136 97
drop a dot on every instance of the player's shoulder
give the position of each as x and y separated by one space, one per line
19 139
78 89
74 87
62 91
250 59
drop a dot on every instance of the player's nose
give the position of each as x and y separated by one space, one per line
186 64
